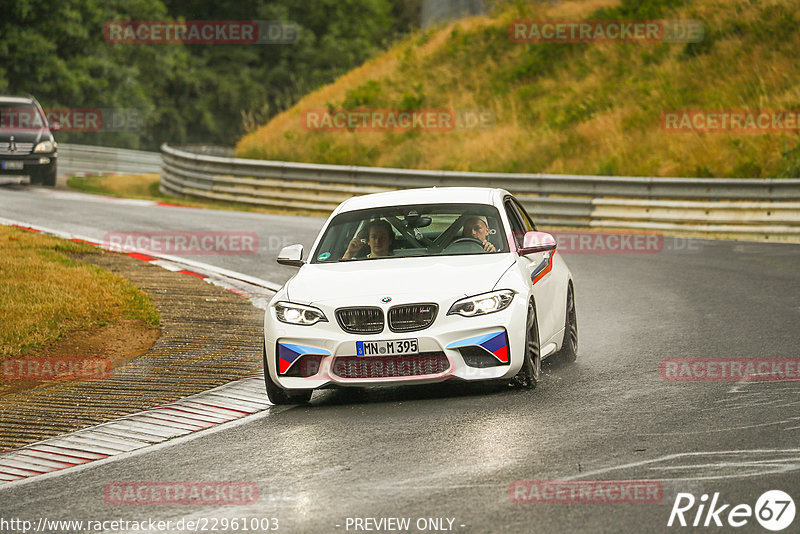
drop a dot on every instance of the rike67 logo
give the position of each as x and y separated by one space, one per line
774 510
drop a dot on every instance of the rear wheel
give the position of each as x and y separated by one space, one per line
531 371
277 395
569 347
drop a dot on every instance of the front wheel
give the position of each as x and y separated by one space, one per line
49 178
531 371
569 347
45 177
279 396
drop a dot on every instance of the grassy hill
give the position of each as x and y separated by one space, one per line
588 108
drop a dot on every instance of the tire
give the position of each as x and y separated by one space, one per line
279 396
49 178
569 347
531 372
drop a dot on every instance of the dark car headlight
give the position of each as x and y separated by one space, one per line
45 146
491 302
299 314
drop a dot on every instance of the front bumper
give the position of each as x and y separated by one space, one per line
329 341
32 164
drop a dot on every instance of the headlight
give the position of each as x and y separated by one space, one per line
482 304
45 146
290 313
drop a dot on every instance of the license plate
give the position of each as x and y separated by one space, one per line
387 348
12 165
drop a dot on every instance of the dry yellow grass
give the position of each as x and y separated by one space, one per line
126 185
44 294
570 108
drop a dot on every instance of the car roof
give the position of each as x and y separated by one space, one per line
428 195
16 99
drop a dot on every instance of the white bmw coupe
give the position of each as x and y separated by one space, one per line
419 286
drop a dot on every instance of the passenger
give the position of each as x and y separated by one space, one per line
380 238
477 227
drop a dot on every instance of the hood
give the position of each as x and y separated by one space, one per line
23 135
432 278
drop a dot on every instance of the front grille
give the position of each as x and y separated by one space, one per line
22 149
360 320
425 363
410 317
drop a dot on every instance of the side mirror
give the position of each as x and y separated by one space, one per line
291 255
55 126
537 242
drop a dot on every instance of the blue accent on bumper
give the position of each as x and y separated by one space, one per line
477 340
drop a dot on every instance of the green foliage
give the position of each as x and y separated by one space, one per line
702 171
609 167
589 108
747 169
639 9
186 93
583 108
540 59
413 101
367 94
791 164
691 50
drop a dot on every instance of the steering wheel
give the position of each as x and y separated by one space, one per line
468 240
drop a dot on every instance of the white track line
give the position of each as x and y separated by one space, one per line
133 433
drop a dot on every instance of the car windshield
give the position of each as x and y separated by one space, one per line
407 231
19 116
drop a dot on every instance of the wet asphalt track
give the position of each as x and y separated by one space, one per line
452 451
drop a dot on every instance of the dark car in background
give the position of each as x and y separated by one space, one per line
27 145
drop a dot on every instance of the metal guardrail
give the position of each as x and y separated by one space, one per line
192 172
747 207
77 159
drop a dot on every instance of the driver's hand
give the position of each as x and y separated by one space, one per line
488 247
355 245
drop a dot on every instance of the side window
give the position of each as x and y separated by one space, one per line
526 219
517 227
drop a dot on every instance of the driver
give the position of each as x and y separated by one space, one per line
476 227
379 238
